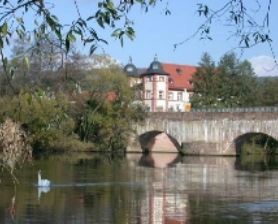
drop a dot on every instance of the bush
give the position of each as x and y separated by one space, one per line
107 113
44 115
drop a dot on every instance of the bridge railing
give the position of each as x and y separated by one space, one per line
237 109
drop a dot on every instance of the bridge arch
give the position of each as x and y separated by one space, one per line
158 141
267 142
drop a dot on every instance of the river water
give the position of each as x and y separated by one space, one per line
158 188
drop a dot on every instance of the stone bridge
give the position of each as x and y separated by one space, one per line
205 133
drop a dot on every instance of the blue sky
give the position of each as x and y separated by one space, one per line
157 33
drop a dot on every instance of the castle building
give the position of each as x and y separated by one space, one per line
164 86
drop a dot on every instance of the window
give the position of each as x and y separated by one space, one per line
179 96
129 69
179 71
170 95
160 95
161 79
148 94
149 78
154 66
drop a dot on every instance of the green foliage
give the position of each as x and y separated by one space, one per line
230 84
94 112
239 84
257 153
268 92
44 116
202 81
95 116
108 112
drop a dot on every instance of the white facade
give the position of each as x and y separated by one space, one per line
178 100
158 98
155 92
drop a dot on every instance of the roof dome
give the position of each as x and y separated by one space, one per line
131 69
156 68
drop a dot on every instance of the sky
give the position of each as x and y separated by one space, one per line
156 34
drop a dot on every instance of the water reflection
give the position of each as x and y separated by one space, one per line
160 205
42 190
157 188
159 160
256 162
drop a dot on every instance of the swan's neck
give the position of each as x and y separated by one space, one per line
39 177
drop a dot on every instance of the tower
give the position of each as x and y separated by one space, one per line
132 73
155 87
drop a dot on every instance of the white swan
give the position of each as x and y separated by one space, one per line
42 182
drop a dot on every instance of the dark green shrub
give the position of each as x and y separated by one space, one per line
44 115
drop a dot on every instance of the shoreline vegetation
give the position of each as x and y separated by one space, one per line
87 111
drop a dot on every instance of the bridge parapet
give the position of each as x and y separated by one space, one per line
212 115
237 109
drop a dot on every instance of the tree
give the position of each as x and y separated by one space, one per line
268 91
107 114
43 54
239 83
202 82
231 83
31 61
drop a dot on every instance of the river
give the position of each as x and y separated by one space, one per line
158 188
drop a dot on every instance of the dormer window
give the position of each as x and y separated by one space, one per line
179 71
155 66
129 69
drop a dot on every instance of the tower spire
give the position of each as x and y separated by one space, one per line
130 60
155 57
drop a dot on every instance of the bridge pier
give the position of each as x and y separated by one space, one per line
208 148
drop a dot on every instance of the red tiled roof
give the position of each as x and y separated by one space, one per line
180 75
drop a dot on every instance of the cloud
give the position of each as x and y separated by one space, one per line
264 66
